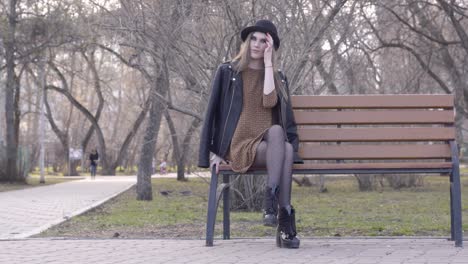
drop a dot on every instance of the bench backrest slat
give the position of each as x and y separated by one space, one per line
372 101
321 152
383 134
374 127
374 117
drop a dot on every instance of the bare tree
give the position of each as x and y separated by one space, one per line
131 64
11 95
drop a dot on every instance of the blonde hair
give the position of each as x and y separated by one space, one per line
243 59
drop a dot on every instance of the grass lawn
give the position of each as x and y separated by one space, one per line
342 211
33 181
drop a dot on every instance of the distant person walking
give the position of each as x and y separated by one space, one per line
163 167
93 159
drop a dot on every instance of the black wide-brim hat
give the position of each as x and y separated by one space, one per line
265 26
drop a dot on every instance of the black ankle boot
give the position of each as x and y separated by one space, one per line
286 231
270 206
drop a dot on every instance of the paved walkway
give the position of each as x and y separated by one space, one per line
26 212
333 251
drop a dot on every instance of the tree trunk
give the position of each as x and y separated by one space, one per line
126 144
181 170
176 147
181 151
399 181
186 145
12 84
366 182
144 188
94 126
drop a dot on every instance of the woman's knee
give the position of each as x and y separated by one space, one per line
276 132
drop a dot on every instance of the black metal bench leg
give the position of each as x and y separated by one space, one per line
457 215
226 209
455 199
212 208
452 217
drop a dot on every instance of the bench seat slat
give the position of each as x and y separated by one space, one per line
372 101
388 165
310 151
376 134
374 117
357 166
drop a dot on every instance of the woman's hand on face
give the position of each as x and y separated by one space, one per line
215 161
268 50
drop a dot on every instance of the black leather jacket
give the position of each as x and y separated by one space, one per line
224 109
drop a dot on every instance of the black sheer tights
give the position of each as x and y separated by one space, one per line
274 153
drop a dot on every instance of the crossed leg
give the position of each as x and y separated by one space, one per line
274 153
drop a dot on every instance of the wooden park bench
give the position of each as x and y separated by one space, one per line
366 134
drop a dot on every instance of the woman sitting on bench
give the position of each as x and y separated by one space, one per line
249 123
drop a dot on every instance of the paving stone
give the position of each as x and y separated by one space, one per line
26 212
30 211
227 251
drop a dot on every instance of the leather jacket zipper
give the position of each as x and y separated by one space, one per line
280 110
282 122
227 118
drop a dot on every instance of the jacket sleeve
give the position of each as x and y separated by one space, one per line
291 127
208 128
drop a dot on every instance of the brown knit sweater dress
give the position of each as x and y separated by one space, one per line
255 119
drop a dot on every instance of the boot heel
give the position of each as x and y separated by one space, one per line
287 243
286 231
